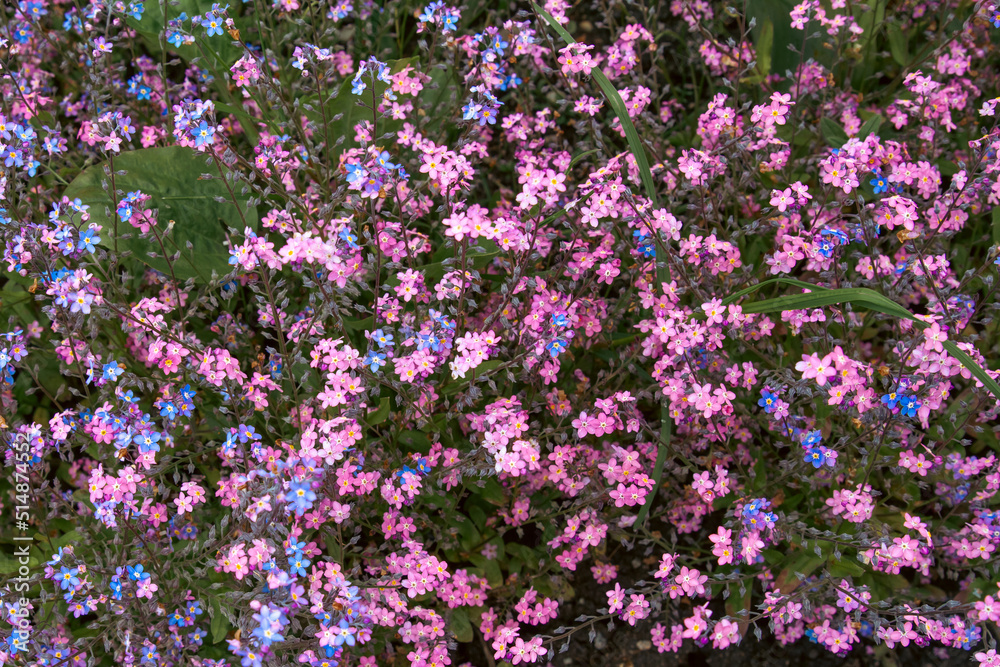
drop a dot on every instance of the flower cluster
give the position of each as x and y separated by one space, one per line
391 334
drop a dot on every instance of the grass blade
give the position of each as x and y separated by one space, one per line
617 105
662 273
866 298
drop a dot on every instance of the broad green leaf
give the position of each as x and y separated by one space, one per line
380 414
248 123
740 602
802 564
172 177
346 109
832 132
765 47
220 49
492 492
490 568
461 626
777 13
871 126
733 298
219 624
14 299
415 441
898 45
617 105
661 460
845 567
480 370
996 224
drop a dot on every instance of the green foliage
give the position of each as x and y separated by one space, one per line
195 209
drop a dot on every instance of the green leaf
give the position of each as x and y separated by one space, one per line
247 122
172 177
220 48
802 564
740 602
15 299
765 47
490 568
661 460
576 160
871 21
219 624
898 45
346 109
415 441
473 261
996 224
461 626
617 105
845 567
872 300
360 324
871 126
479 371
380 414
493 493
832 132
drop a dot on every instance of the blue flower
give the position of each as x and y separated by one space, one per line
556 347
147 441
358 85
87 240
879 185
346 234
301 496
136 573
767 401
375 361
816 456
56 557
16 642
298 565
112 371
203 133
175 38
68 578
382 339
247 433
891 399
345 635
384 161
213 24
812 438
498 45
168 410
908 405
